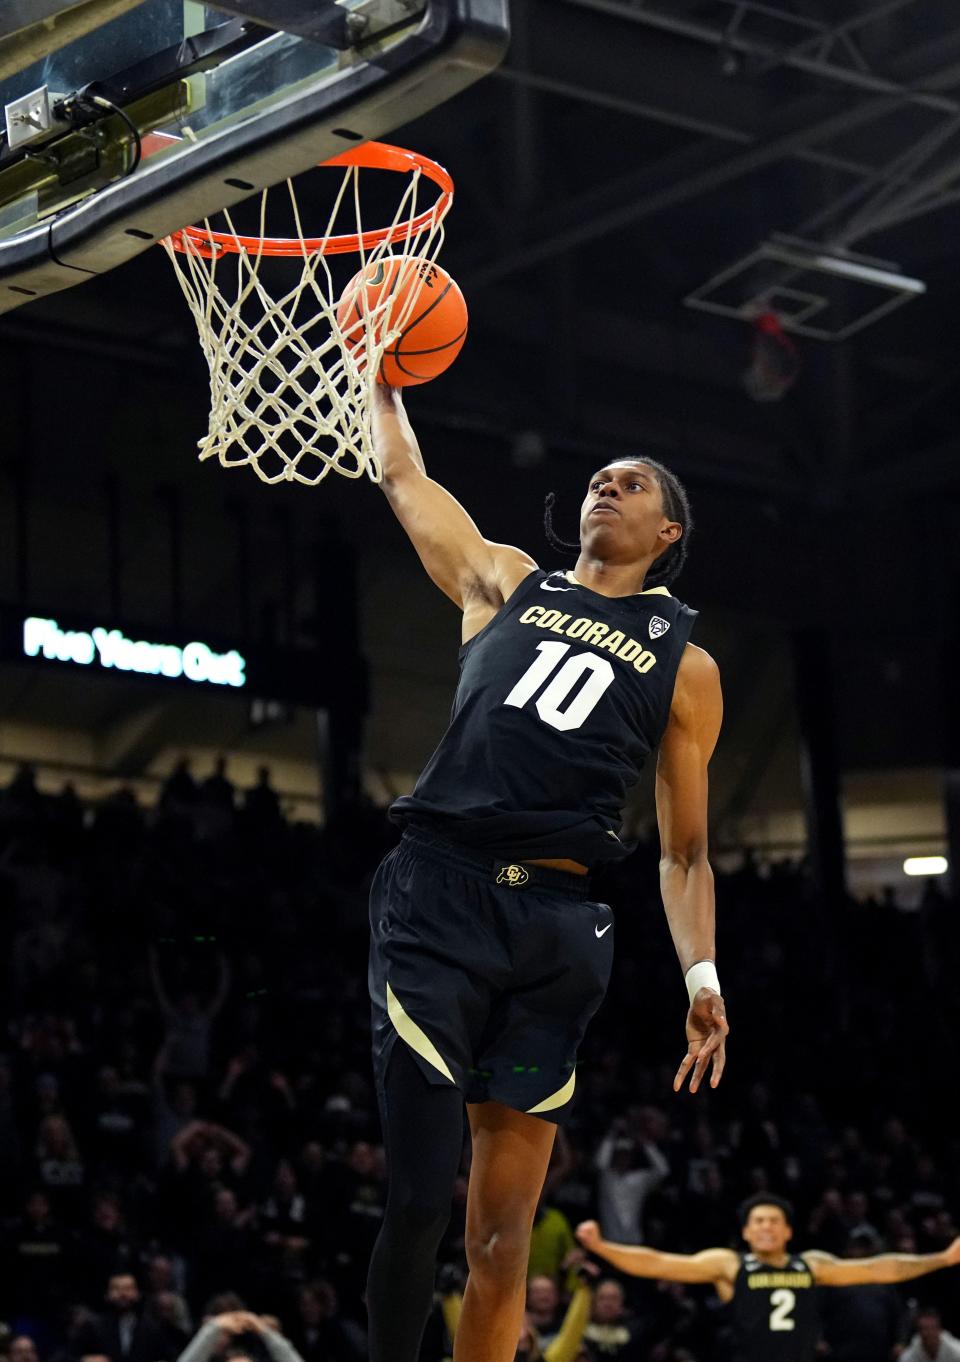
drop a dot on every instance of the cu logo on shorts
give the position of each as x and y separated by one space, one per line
514 875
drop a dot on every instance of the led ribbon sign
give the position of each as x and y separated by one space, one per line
110 648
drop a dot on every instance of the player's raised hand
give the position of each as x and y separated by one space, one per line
707 1032
588 1233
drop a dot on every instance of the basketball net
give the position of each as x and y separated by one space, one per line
290 393
774 360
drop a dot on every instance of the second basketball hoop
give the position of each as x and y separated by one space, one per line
293 357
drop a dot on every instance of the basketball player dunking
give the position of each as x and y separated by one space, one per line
772 1292
488 955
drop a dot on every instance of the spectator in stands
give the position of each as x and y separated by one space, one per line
22 796
171 1313
189 1021
232 1332
545 1310
564 1346
38 1246
931 1342
117 1123
123 1333
132 877
178 794
629 1166
827 1225
612 1331
856 1208
163 1299
172 1111
209 1155
22 1348
59 1166
862 1323
357 1212
105 1249
217 791
10 1143
551 1242
261 804
223 1254
320 1332
283 1216
256 1098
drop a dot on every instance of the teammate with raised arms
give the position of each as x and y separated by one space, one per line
488 956
772 1291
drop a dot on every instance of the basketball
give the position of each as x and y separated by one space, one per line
420 298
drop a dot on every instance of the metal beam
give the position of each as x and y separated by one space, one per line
639 196
695 171
678 118
680 26
825 34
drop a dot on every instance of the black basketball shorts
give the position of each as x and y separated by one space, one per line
488 971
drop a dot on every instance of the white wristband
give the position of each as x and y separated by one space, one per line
701 975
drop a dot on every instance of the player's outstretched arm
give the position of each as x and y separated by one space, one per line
717 1266
686 880
463 564
885 1269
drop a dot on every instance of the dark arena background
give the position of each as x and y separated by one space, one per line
720 234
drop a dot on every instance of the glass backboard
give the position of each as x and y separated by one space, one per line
124 121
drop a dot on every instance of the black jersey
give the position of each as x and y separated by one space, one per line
774 1312
561 698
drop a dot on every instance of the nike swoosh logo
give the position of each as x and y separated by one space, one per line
600 930
545 586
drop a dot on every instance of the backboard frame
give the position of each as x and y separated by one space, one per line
455 44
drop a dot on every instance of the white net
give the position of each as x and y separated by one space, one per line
289 386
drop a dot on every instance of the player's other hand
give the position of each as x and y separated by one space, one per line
707 1032
589 1235
952 1253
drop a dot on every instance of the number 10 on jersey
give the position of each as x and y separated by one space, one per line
549 705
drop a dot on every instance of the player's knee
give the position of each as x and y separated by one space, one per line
499 1252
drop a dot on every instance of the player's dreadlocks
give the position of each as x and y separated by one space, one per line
676 506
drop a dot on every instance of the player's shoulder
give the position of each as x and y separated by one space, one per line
696 691
724 1262
512 566
812 1260
698 666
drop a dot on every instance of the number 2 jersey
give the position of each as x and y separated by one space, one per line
774 1312
561 698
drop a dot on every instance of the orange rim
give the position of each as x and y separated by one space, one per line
371 155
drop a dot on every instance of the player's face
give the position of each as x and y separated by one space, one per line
622 516
767 1230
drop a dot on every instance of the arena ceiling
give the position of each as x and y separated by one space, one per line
623 155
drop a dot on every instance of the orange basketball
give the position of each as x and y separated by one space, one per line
423 300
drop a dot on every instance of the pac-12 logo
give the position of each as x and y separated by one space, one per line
658 627
514 875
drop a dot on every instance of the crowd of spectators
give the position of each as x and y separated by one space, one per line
188 1130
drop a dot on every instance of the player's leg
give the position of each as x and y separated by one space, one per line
423 1139
511 1151
560 969
426 1006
